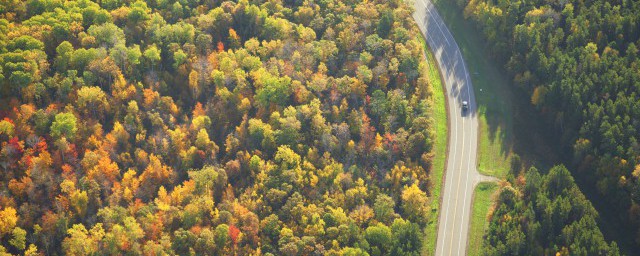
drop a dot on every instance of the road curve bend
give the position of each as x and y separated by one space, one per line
461 174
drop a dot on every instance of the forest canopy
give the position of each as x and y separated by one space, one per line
276 127
578 60
544 215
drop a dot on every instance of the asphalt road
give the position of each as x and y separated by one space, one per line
461 174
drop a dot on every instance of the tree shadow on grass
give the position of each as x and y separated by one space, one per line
513 120
510 118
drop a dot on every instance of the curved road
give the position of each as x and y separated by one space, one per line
461 174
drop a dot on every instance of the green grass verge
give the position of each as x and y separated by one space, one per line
507 122
492 90
482 202
495 120
439 114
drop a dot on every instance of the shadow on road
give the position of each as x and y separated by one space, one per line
511 118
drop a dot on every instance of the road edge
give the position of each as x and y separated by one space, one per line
446 157
481 177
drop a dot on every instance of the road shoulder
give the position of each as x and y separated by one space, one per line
441 146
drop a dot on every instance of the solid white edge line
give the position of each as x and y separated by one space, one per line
455 153
466 188
458 186
468 83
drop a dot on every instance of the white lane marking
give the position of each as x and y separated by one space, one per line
444 53
455 211
430 15
438 26
455 152
464 67
466 186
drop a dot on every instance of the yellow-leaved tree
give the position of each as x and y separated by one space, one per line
8 220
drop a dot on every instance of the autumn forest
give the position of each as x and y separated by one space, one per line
304 127
209 127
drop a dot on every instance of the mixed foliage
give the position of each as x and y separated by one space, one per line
545 215
579 62
283 127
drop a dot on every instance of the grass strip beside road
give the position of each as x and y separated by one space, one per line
492 90
495 117
507 122
482 202
439 114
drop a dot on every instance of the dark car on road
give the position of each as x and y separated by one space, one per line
465 105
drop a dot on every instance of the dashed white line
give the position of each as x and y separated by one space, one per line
455 152
430 15
455 211
439 28
466 186
449 57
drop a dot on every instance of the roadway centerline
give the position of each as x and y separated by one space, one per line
462 133
436 22
466 186
439 28
446 216
455 209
